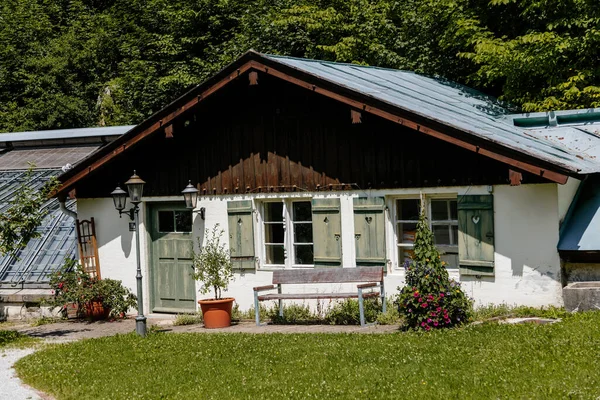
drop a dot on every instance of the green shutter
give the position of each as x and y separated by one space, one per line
476 235
369 231
241 234
327 232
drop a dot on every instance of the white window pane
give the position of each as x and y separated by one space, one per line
439 210
302 211
275 254
274 233
406 232
408 209
303 233
441 234
304 254
273 212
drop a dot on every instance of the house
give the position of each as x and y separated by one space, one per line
24 276
314 164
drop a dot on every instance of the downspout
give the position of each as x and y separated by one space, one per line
65 210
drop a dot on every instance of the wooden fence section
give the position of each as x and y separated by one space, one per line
88 247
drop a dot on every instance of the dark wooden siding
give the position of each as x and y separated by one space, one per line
276 137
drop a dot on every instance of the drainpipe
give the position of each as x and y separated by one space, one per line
65 210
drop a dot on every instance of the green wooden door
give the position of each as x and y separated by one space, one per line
369 231
173 288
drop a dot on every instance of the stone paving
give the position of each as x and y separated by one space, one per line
75 330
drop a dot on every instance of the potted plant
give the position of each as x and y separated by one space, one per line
212 266
73 288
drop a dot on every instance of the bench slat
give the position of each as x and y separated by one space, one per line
330 275
299 296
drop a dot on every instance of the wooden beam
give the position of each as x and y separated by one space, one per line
550 175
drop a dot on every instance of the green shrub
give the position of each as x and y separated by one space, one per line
430 299
391 316
238 315
14 338
347 312
293 314
72 285
188 319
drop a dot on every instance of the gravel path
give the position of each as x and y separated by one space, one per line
12 388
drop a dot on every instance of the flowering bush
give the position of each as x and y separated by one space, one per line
72 285
430 299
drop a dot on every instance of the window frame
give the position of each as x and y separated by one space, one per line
427 198
289 242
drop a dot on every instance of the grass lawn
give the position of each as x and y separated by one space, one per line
14 339
480 362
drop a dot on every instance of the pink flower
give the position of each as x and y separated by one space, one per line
435 323
428 320
442 294
424 305
416 294
438 309
423 324
420 300
427 328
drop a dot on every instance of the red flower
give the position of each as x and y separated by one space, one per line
442 295
60 285
424 305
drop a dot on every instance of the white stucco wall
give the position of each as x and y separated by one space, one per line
527 265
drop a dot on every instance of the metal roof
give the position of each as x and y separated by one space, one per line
580 231
64 133
46 157
445 102
33 265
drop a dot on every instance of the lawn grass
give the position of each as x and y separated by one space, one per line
478 362
14 339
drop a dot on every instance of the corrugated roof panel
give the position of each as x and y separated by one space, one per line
43 255
46 157
65 133
443 101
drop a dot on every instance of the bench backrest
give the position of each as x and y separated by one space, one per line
329 275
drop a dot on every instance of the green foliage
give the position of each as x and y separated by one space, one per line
249 314
212 265
348 313
501 311
293 314
25 213
85 63
72 285
188 319
487 361
45 321
430 299
14 339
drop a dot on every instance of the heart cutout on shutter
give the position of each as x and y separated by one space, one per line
475 219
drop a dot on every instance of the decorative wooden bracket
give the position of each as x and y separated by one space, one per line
169 131
355 117
515 177
253 77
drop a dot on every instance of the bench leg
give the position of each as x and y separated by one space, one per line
361 308
256 309
383 307
280 302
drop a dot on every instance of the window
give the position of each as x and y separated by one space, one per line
174 221
407 215
444 224
288 234
443 221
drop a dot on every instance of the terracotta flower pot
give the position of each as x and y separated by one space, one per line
216 313
96 311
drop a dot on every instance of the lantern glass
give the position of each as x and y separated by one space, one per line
190 195
135 187
119 198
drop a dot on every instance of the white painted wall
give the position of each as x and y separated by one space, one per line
526 221
566 193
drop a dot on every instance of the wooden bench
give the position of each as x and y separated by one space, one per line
371 278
